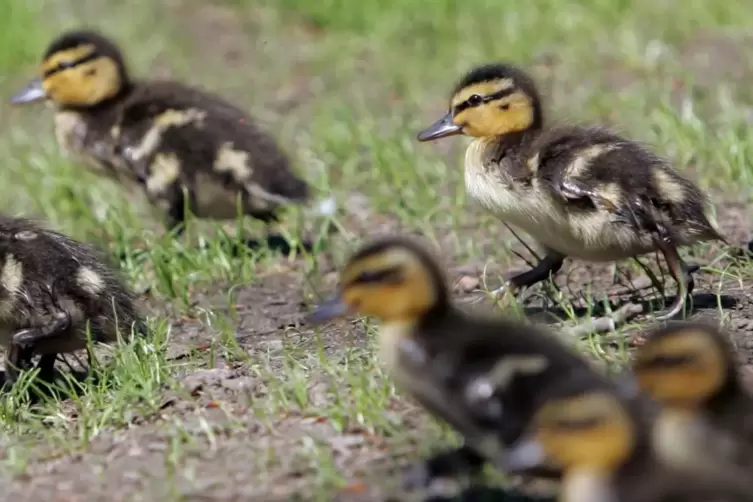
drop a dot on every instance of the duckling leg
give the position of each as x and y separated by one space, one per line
549 265
25 340
680 272
447 463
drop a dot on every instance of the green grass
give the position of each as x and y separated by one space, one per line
345 86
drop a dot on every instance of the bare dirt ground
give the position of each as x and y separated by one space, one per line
226 447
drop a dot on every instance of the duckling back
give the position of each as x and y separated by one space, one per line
172 134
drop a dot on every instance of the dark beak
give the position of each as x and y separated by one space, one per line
34 91
328 310
439 129
525 455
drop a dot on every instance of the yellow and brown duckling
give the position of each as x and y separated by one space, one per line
602 442
186 147
52 288
480 375
689 368
580 192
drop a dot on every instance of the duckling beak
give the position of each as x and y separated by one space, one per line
439 129
34 91
524 455
330 309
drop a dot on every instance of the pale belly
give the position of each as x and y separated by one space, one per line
592 236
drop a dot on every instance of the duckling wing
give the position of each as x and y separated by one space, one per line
485 378
591 168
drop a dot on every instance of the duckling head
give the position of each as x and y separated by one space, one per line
685 366
394 280
79 69
490 100
577 427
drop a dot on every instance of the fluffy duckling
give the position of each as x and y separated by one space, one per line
187 148
582 192
480 375
689 368
51 289
602 442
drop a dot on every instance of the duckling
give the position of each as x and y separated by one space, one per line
602 442
480 375
689 368
52 288
579 191
187 148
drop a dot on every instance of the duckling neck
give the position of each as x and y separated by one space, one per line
588 485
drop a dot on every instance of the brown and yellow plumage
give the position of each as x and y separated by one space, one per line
579 191
52 289
690 369
602 441
185 146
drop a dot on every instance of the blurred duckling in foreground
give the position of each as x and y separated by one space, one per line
583 192
689 368
479 375
187 148
602 442
52 288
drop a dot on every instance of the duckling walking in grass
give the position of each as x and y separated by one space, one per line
187 148
602 442
689 368
482 376
582 192
52 288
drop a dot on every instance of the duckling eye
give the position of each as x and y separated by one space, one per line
505 106
475 100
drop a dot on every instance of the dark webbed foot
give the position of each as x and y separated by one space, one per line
447 463
24 342
548 266
278 243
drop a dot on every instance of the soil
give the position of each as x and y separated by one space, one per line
130 464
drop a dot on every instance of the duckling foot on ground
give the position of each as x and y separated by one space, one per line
680 272
486 494
448 463
548 266
24 342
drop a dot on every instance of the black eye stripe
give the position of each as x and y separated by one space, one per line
387 275
70 64
485 99
665 361
577 425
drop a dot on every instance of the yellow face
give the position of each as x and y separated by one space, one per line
490 108
591 430
682 370
78 76
392 285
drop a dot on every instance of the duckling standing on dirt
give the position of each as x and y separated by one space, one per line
582 192
187 148
689 368
52 288
602 442
479 375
